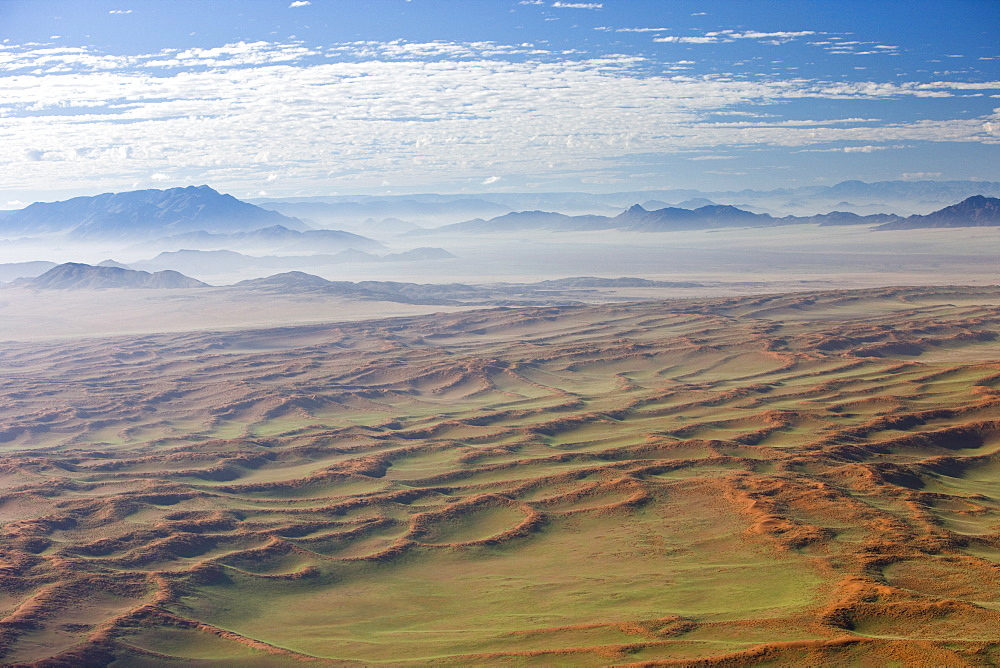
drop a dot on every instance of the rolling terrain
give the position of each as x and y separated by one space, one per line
797 479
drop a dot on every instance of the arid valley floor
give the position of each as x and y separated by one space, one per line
796 479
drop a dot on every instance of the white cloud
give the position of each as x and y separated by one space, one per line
120 11
919 176
753 34
300 3
686 40
853 149
490 180
159 177
14 204
714 37
361 113
578 5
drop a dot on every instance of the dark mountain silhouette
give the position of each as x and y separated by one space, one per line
561 291
289 281
639 219
294 282
899 196
75 276
143 214
841 218
976 211
522 220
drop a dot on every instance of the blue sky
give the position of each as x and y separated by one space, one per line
261 98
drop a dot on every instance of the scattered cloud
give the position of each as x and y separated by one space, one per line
753 34
300 3
120 11
159 177
918 176
722 36
14 204
578 5
869 148
686 40
490 180
642 29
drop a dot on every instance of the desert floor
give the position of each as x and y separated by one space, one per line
806 478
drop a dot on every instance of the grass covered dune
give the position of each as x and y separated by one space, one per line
805 479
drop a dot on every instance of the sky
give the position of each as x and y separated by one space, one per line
263 98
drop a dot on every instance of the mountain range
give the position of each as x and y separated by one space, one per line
974 211
902 197
77 276
200 218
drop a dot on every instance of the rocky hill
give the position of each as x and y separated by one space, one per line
76 276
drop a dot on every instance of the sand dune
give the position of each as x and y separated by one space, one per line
800 479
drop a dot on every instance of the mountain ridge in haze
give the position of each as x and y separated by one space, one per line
78 276
975 211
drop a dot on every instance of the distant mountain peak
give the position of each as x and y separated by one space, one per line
144 213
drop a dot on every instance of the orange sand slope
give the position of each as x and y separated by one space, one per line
806 479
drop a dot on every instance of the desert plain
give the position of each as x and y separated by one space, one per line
767 469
